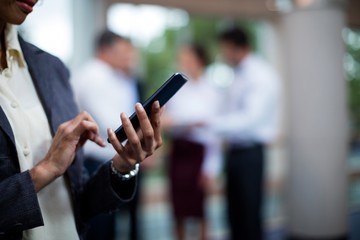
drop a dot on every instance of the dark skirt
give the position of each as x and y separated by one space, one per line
187 197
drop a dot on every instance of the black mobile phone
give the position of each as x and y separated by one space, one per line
163 94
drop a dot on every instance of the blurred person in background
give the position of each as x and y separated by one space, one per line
46 192
103 87
195 153
249 121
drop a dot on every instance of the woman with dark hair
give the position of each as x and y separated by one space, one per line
194 152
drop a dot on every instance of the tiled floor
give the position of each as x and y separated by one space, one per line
157 223
156 219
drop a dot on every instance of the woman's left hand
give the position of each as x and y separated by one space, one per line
141 143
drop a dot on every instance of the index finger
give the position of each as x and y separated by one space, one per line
81 117
84 122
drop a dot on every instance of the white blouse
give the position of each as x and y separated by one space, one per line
195 103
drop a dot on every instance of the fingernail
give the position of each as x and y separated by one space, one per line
123 115
139 107
157 104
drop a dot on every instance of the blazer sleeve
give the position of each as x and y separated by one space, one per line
105 193
19 207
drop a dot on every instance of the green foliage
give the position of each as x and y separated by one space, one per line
160 64
352 67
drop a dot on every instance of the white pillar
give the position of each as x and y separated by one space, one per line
317 121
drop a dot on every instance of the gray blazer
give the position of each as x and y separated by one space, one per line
19 207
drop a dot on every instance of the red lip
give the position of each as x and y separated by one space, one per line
26 5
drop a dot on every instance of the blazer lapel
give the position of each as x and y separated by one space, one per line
5 125
40 79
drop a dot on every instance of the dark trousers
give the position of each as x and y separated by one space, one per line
102 227
244 171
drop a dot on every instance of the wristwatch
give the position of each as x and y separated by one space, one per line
127 176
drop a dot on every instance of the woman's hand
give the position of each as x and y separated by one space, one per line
140 144
69 137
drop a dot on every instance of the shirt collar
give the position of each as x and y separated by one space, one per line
13 46
248 58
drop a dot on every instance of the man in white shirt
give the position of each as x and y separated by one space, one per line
251 121
104 87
